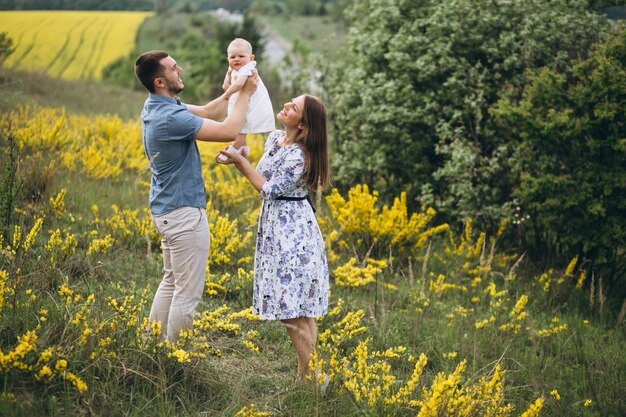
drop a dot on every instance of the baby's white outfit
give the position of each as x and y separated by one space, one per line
260 114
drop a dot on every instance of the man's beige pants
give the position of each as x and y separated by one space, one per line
185 245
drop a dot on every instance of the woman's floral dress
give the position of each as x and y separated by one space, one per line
290 268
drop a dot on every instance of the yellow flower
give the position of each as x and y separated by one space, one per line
250 346
61 365
570 267
180 355
46 355
78 383
252 334
100 245
450 355
555 394
30 238
249 411
534 408
44 372
483 323
352 275
58 203
587 403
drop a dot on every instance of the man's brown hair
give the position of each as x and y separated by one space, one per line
148 67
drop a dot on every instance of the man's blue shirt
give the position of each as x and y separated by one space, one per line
169 130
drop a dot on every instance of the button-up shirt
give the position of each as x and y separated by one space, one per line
169 130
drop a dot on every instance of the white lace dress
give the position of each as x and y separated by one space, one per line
290 267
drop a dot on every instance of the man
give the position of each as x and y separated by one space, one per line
177 200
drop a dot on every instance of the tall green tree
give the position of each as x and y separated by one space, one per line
570 135
410 99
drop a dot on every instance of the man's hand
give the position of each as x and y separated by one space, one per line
251 83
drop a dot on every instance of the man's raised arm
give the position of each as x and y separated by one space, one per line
214 110
226 131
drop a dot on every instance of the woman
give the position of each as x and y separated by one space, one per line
290 268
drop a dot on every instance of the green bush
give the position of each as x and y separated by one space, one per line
410 99
570 129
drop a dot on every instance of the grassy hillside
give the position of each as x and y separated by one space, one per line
86 97
424 320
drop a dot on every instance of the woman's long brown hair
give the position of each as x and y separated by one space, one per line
314 140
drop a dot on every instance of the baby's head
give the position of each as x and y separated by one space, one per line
239 53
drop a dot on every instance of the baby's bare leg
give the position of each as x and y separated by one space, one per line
240 141
240 144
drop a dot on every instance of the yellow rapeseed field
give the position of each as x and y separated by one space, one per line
69 44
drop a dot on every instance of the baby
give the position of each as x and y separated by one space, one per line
260 115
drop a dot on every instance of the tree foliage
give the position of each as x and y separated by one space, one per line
570 127
297 7
410 99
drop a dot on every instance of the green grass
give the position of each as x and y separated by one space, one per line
83 97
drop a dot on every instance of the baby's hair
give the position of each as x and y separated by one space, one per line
245 43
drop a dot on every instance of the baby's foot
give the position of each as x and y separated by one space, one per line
244 151
231 149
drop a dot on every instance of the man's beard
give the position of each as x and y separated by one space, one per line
175 88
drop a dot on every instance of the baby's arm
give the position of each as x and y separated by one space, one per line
227 79
234 87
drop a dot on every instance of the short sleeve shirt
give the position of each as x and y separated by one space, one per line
169 130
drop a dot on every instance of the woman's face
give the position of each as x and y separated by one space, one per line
291 114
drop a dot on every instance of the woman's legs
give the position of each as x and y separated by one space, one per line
303 334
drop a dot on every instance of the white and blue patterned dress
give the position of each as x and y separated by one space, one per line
290 267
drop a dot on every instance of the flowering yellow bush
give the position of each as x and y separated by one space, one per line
360 226
370 379
100 146
352 275
226 241
223 282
